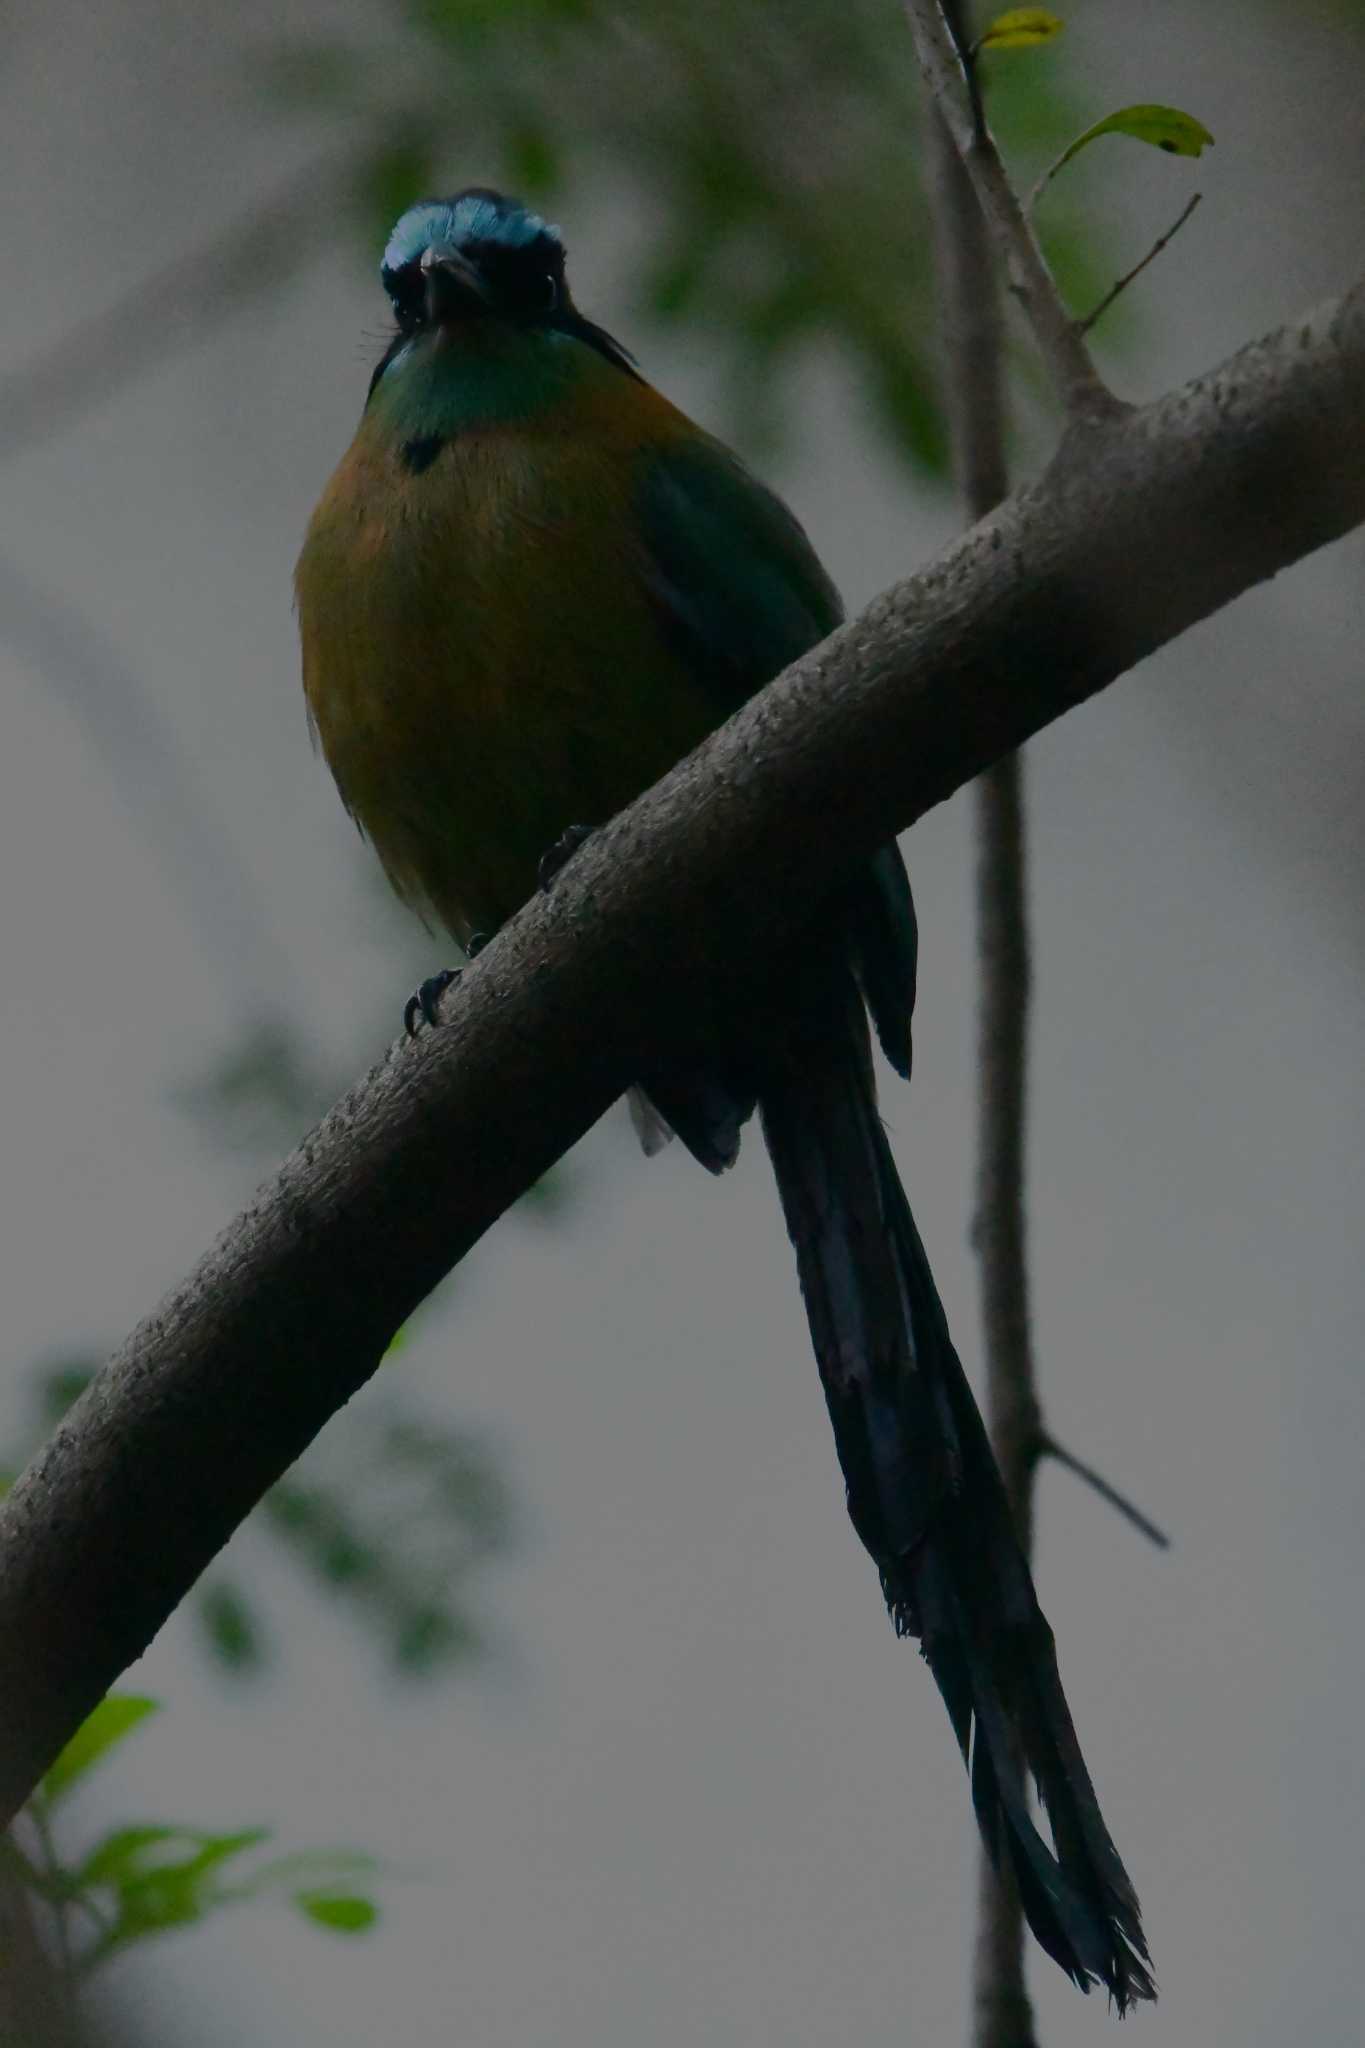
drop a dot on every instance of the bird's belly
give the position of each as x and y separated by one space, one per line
492 765
477 693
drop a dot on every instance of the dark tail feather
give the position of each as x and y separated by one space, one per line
927 1501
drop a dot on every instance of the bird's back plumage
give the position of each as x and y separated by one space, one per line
530 588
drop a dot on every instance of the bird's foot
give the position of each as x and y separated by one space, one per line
423 1005
560 854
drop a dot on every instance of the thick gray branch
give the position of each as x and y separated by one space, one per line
1143 524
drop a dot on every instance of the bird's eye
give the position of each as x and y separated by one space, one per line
547 293
407 294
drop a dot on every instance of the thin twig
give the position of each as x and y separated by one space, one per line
1048 1447
52 1870
954 18
1004 2015
85 672
36 2005
1172 231
1041 183
1081 390
974 390
165 312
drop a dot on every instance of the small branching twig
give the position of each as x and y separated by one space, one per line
1081 390
967 52
61 1908
1048 1447
83 669
1115 290
975 401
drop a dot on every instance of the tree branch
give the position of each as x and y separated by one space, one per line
1083 394
1139 527
1003 2012
1120 285
1048 1447
975 393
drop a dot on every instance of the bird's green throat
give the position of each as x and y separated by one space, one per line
437 386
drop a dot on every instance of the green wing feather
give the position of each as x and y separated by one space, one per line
740 593
740 589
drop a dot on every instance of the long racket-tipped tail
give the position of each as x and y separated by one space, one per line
927 1500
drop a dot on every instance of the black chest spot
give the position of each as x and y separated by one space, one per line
419 455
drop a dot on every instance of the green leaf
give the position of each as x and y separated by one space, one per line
112 1719
117 1853
121 1859
392 176
214 1850
61 1386
428 1636
346 1559
162 1900
339 1912
1020 28
231 1627
154 1894
532 156
1162 127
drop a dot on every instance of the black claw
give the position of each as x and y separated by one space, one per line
424 1002
563 851
476 942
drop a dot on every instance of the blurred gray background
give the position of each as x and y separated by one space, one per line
695 1791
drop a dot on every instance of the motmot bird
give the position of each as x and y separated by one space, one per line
531 587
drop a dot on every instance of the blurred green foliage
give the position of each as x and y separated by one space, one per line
154 1877
263 1093
398 1533
770 156
392 1514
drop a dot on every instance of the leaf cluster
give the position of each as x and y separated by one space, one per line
152 1877
392 1515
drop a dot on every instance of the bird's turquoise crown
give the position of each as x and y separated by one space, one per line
517 258
478 218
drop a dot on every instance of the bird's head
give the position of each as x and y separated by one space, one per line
474 257
460 269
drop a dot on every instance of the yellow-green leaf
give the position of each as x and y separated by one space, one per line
340 1913
1019 28
1163 127
114 1717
